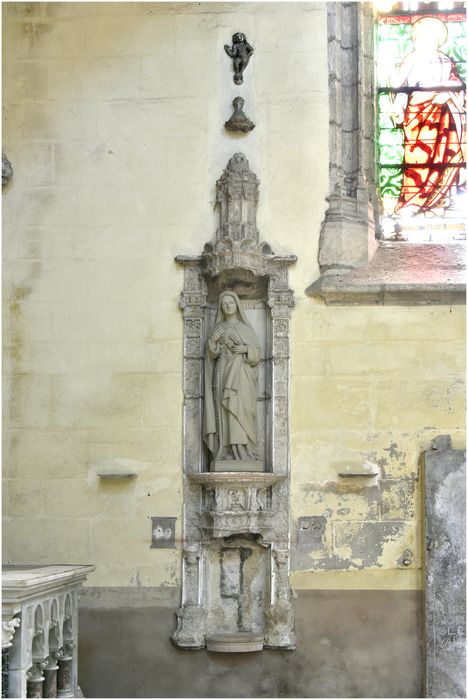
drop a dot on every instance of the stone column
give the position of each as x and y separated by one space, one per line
191 563
8 630
65 671
50 674
347 237
190 627
280 617
281 303
35 680
190 630
192 302
445 589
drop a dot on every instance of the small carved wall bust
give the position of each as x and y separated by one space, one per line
240 52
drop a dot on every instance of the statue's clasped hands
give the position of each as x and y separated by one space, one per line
219 336
239 348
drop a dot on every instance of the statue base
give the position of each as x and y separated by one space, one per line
237 465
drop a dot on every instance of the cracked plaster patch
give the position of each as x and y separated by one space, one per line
365 542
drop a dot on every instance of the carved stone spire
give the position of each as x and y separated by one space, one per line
237 197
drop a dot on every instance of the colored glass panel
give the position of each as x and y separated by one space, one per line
421 69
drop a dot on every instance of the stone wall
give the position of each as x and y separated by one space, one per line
113 122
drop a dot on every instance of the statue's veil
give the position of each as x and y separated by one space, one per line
240 311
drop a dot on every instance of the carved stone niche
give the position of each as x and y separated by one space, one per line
235 579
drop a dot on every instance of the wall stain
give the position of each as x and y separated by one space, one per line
362 518
392 450
36 29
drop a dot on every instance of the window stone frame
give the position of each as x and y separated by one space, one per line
356 267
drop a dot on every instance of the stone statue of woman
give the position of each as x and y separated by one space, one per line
230 409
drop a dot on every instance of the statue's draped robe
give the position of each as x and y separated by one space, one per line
230 406
434 138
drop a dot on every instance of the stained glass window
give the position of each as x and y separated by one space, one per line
421 79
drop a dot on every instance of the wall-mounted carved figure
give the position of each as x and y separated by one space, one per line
235 500
240 52
230 410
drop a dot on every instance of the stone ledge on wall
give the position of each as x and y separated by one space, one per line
398 274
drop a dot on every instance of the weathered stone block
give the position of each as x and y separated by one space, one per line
445 602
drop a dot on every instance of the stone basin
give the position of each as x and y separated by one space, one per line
234 642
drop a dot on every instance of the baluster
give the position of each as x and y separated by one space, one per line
64 673
50 673
35 680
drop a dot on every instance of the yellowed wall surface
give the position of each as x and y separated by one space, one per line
113 121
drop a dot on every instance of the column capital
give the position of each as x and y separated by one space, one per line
8 630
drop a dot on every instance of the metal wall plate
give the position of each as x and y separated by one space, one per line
163 533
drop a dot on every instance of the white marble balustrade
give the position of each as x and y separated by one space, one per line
40 630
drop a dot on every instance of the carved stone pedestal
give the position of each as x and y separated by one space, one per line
236 515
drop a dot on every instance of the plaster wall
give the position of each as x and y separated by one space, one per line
113 121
